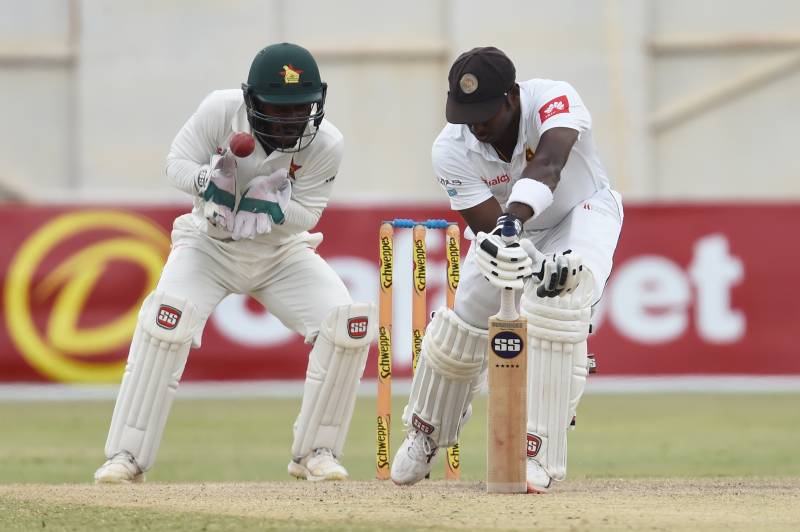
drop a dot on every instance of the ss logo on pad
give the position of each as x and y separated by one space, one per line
168 317
357 327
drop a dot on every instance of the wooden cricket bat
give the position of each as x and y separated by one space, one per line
508 399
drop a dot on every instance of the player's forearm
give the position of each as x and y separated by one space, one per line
533 193
182 174
543 171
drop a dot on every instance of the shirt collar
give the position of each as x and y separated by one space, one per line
485 150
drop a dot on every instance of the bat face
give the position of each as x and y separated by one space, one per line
506 343
508 399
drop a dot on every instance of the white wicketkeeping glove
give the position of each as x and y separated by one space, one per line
262 204
216 184
554 274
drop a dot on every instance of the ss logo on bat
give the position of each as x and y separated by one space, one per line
506 344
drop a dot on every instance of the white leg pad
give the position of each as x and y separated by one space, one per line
156 360
335 367
448 371
557 369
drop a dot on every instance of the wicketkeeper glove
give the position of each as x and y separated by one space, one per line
262 204
216 184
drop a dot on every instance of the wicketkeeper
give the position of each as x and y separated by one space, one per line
248 234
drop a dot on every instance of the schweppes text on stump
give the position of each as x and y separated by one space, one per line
382 454
419 265
386 262
384 353
453 262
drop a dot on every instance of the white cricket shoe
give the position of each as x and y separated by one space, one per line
319 464
414 458
119 469
537 478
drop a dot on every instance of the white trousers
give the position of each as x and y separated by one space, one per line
591 229
291 280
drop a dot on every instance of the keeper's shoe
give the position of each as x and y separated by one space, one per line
414 458
119 469
537 478
319 464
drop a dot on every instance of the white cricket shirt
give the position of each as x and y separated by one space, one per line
312 170
471 172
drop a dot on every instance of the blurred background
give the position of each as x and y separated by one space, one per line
690 100
694 108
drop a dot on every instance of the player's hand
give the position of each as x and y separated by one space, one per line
216 184
262 204
554 274
505 265
509 221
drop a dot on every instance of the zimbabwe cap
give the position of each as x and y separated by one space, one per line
479 81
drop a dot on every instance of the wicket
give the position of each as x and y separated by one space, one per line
418 322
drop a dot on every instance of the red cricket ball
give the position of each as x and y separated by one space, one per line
242 144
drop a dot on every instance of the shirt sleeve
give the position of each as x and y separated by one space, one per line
462 184
312 189
560 106
195 143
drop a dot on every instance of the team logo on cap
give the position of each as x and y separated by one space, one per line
290 74
468 83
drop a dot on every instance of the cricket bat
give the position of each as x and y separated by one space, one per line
508 399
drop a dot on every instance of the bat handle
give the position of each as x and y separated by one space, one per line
508 305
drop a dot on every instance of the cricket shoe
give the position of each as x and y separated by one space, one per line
319 464
119 469
414 458
537 478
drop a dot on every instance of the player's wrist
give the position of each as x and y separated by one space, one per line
508 218
532 193
201 179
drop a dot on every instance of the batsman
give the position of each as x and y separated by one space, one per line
248 233
521 155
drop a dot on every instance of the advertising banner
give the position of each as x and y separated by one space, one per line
696 289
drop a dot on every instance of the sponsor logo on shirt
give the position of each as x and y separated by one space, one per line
452 192
449 182
499 180
553 107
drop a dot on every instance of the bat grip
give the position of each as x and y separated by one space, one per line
508 305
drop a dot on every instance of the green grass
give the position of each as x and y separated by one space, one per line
620 436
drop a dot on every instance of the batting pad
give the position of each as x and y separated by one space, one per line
448 372
557 369
156 360
335 366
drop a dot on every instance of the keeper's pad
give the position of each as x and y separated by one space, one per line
449 368
557 369
156 360
335 366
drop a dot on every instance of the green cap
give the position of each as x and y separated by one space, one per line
285 73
